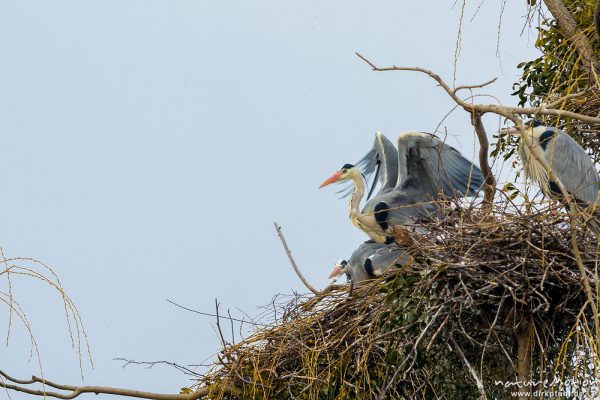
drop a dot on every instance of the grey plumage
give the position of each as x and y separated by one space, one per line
425 168
448 170
369 261
569 161
383 160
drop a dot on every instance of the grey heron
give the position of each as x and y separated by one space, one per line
426 167
369 261
565 156
382 160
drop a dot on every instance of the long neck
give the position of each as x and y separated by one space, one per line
357 195
532 167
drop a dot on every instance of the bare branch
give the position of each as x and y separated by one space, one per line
476 377
151 364
490 180
505 111
289 254
241 321
19 385
456 89
223 342
564 98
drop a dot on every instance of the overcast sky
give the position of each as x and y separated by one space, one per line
148 146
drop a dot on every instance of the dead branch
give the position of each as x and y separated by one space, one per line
151 364
289 254
490 180
71 392
241 321
475 86
476 377
472 108
223 342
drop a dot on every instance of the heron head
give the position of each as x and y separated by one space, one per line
339 269
533 123
346 171
531 126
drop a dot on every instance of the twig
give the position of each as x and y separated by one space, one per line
289 254
241 321
223 342
151 364
456 89
470 368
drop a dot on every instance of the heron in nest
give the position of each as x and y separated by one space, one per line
412 178
569 161
369 261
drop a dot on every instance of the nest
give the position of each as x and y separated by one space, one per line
484 296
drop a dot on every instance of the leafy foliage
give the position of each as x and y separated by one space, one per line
558 73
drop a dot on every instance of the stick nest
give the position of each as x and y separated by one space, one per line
432 328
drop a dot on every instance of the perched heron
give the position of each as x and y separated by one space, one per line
369 261
569 161
425 168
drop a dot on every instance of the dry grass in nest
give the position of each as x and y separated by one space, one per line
432 328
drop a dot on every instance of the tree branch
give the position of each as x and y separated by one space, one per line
72 392
476 377
485 108
597 19
571 31
490 180
289 254
151 364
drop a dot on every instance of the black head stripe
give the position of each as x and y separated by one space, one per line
347 166
533 123
546 137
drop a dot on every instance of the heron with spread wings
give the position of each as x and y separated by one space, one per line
424 168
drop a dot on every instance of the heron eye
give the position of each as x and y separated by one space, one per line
343 171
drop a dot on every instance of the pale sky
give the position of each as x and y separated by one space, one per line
148 146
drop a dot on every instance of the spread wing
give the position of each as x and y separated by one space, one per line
448 170
383 160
